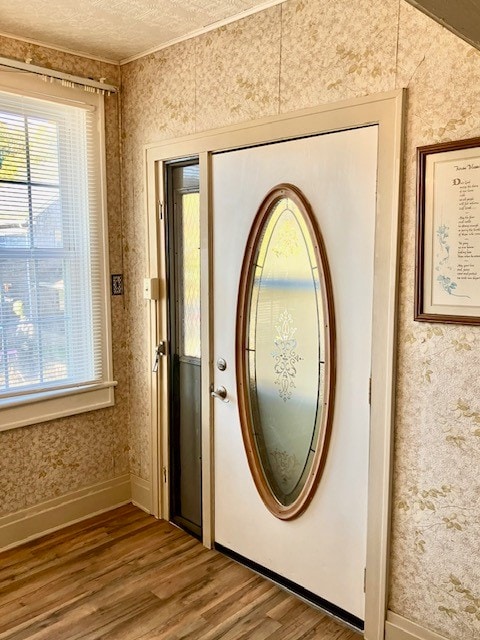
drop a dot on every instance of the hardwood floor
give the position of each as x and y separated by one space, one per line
125 576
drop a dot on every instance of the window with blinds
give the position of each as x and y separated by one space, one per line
52 296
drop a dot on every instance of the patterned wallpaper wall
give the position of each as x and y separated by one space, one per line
43 461
302 54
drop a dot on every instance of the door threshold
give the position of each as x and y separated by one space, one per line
339 614
187 526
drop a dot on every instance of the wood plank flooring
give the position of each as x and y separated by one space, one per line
125 576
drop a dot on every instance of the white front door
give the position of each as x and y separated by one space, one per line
324 550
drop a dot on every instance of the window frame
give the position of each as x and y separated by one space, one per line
30 408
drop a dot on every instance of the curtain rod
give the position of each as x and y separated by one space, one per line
66 79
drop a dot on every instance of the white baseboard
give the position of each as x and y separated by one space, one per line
399 628
141 493
36 521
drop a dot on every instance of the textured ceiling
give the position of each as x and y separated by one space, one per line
116 29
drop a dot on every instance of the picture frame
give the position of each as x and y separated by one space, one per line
447 263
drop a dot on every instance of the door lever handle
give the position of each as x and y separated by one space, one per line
161 350
220 393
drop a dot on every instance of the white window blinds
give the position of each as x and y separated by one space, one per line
51 258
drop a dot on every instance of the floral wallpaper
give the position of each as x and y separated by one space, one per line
43 461
297 55
158 98
237 71
436 521
336 50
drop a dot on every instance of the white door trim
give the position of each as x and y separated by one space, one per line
385 110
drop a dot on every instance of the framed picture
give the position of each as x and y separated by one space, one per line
448 233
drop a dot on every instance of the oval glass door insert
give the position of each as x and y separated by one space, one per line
285 354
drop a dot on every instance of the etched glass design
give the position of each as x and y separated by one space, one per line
285 341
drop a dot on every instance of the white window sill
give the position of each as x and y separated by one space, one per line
21 411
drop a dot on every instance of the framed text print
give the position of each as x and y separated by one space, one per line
448 233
